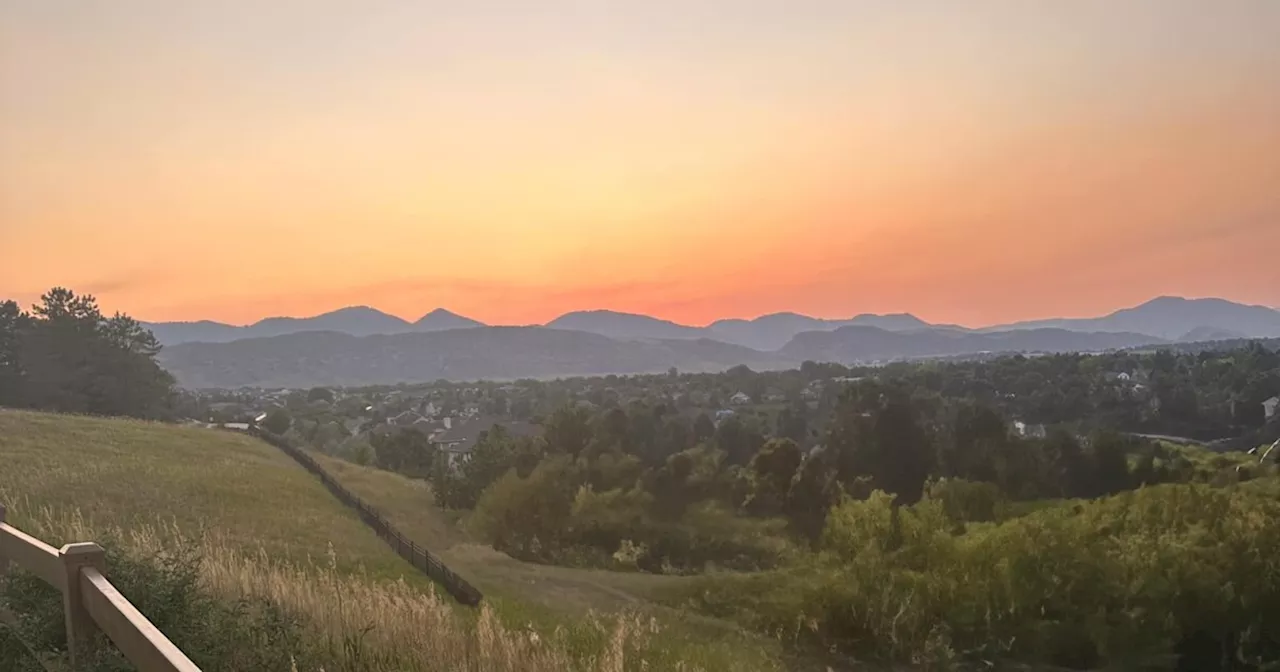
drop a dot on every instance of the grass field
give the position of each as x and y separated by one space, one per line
410 505
265 528
223 485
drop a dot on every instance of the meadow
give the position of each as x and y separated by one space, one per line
263 530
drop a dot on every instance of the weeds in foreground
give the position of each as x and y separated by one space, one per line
318 617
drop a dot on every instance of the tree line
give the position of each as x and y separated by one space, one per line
662 491
64 355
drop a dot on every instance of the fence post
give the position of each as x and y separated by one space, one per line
80 626
4 562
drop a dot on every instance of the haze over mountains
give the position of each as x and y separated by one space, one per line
353 321
361 345
1166 317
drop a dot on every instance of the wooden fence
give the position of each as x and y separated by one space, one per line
89 601
419 557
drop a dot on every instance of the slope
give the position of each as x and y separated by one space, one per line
410 505
134 474
265 529
1170 317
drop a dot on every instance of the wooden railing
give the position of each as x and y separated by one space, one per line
419 557
89 601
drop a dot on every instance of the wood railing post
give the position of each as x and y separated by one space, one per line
4 562
80 626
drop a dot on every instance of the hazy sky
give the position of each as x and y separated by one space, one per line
970 162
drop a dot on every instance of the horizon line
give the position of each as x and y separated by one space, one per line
909 313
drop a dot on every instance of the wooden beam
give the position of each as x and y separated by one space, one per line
33 555
136 637
80 626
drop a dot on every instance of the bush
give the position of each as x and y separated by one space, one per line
1171 572
216 635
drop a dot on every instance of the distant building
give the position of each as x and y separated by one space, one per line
237 426
1028 431
1269 407
740 399
457 442
404 419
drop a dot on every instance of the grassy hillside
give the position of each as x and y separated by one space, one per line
135 474
410 505
265 529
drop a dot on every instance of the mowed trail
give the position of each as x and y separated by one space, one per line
410 505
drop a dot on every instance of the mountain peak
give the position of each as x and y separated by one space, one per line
440 319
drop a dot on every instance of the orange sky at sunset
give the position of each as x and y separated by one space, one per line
968 162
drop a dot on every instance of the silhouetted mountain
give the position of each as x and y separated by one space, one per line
767 332
770 332
862 343
352 321
627 326
1170 317
1203 334
204 331
890 322
356 321
441 319
328 358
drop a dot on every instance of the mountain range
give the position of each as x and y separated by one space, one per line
362 346
1166 318
353 321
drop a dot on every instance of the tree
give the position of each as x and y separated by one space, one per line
772 469
13 324
703 428
492 456
568 430
737 441
406 450
320 394
65 356
1108 452
278 421
791 424
877 432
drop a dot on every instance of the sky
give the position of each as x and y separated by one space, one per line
969 162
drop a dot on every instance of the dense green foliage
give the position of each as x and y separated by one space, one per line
66 356
215 634
598 485
1204 393
1183 575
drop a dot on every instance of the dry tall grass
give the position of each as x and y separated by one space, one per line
264 527
361 624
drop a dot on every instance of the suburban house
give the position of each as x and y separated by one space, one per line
740 399
457 442
1269 407
404 419
1025 430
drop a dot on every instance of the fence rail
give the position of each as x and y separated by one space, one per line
419 557
89 602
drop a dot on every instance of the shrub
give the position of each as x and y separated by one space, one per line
249 634
1171 572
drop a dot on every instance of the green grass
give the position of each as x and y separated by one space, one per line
545 594
130 473
409 505
267 529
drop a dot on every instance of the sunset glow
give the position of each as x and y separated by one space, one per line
510 161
